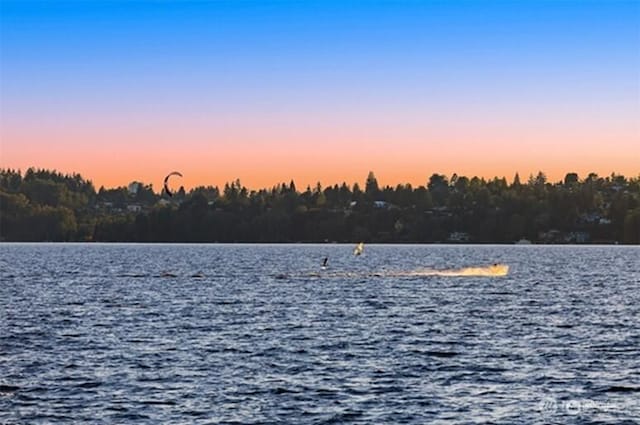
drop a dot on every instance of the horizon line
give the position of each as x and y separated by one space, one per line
523 178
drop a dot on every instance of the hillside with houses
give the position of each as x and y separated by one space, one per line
45 205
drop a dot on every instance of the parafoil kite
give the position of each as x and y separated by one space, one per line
166 182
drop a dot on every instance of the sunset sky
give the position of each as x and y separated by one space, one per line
325 91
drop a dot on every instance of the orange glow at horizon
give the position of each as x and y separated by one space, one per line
263 168
261 156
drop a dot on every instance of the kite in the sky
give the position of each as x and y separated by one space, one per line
166 182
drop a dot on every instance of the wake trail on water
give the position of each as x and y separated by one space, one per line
495 270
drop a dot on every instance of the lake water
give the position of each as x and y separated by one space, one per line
261 334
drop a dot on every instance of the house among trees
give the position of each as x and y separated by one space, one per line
459 237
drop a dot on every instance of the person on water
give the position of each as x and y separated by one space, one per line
325 261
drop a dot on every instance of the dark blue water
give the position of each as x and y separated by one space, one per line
261 334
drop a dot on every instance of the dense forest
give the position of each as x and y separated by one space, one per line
44 205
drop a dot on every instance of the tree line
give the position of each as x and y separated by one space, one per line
45 205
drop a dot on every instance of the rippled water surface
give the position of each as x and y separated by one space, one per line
262 334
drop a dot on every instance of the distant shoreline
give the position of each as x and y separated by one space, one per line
346 244
42 205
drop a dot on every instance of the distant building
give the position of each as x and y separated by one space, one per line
551 236
458 237
578 237
133 187
590 217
